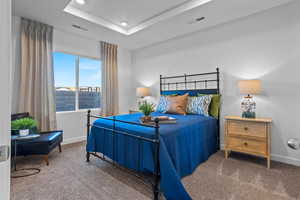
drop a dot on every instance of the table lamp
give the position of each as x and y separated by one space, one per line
248 105
141 93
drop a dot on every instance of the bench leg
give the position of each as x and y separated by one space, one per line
46 158
59 147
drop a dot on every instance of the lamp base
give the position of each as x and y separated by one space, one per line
248 106
249 115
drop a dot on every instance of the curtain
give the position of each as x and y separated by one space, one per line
109 97
37 92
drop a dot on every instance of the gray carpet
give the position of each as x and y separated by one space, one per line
69 177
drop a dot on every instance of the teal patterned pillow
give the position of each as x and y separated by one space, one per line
199 105
163 104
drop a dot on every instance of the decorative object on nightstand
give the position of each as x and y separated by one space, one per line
248 105
251 136
141 93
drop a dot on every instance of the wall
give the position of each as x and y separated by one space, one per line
73 123
5 70
264 46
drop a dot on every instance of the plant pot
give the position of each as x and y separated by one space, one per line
24 132
146 119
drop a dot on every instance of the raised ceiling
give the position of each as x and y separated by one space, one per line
137 12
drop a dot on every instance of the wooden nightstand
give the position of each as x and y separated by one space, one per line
251 136
132 111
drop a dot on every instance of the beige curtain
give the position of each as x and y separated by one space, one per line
37 93
109 97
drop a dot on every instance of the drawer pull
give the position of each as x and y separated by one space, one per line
246 128
245 143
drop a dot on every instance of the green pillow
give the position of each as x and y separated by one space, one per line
214 104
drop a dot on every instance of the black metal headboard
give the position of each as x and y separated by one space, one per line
204 83
193 84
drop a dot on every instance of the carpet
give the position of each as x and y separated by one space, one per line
69 177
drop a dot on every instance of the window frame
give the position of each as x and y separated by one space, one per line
77 64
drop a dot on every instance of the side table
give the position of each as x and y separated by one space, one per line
26 171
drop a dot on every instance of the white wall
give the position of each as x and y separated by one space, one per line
264 46
5 63
73 123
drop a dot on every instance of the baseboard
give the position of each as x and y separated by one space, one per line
285 159
279 158
74 140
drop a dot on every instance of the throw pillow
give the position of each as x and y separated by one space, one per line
177 104
199 105
214 105
163 104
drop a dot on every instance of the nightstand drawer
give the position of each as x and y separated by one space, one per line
245 128
249 146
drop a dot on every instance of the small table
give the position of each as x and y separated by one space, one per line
132 111
17 139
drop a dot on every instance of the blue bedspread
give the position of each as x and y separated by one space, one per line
183 146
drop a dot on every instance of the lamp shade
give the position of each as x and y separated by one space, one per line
143 92
250 86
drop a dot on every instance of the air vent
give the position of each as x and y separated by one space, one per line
79 27
199 19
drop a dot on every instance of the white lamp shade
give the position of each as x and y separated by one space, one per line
250 86
143 92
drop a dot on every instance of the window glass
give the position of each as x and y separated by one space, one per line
65 81
89 83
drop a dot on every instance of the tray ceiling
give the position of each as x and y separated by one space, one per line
139 14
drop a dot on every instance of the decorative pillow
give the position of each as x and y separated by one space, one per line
199 105
178 104
214 104
163 104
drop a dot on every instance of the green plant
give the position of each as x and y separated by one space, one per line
24 123
146 108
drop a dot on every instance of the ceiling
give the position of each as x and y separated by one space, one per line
149 22
139 14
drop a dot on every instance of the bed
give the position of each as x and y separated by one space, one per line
166 152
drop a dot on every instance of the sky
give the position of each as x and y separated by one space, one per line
65 66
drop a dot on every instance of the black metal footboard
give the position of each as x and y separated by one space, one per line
155 177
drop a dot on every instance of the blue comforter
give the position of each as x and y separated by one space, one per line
183 146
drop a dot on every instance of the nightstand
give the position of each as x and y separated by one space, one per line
246 135
132 111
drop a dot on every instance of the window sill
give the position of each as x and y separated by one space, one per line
78 111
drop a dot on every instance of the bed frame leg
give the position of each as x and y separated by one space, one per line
156 193
88 124
156 189
87 157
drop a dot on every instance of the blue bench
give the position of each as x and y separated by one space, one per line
42 145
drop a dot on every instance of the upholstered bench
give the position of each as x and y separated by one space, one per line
42 145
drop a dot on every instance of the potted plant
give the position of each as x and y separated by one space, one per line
24 126
146 108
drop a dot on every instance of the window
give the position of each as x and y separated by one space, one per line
77 82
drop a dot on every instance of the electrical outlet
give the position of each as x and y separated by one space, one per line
4 153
